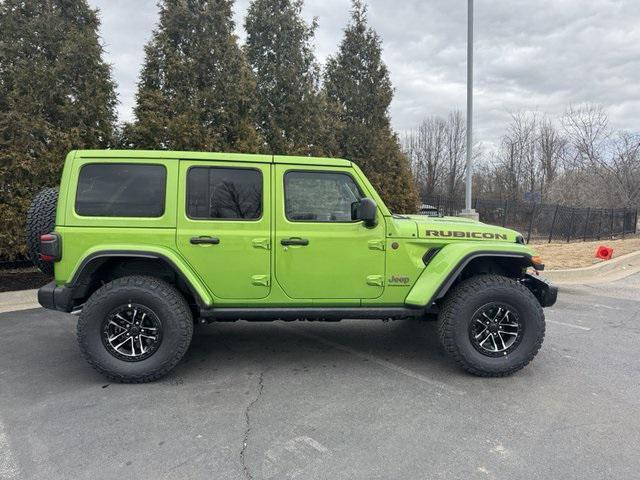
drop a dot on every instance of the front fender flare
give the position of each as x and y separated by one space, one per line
437 278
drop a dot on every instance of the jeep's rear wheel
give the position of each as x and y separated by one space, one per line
135 329
41 219
491 325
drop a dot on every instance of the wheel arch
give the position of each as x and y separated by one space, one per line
105 265
438 278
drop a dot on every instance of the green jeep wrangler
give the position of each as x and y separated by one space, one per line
145 243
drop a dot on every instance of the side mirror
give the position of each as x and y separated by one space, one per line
365 210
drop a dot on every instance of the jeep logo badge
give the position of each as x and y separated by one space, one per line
398 280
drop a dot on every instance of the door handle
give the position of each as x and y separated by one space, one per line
294 241
204 240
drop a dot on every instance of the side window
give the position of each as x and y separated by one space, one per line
215 193
319 196
121 190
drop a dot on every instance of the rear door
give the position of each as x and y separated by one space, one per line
224 225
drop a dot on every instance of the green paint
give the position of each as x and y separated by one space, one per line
344 264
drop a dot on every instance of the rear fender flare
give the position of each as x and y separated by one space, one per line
92 259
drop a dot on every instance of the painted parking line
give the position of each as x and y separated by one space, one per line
378 361
8 466
580 327
608 307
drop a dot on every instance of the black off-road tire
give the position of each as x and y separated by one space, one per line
158 296
458 312
41 219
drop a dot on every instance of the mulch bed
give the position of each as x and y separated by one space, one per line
22 279
558 256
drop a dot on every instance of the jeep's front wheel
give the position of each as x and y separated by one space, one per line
491 325
135 329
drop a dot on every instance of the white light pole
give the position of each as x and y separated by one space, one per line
468 211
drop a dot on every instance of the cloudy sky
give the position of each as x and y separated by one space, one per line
530 55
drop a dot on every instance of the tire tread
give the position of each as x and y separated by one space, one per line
41 219
177 308
450 313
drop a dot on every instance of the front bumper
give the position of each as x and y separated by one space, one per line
54 297
546 293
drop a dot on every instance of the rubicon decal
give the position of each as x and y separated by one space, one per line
458 234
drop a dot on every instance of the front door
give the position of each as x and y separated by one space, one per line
224 226
320 253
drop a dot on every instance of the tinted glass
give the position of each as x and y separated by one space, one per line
121 190
224 193
320 196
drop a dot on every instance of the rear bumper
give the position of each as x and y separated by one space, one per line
55 297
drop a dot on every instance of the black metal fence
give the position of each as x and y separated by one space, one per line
546 222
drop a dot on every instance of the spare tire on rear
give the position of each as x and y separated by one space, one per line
41 219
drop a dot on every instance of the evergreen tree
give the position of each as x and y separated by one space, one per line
196 89
280 51
359 91
56 94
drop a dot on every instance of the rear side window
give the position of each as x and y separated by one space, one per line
215 193
121 190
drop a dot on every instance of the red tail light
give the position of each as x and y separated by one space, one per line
50 247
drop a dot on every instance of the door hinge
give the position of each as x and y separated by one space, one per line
261 243
260 280
375 281
376 244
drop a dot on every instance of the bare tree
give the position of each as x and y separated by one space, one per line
587 130
456 139
437 150
613 158
524 132
425 147
515 167
233 200
623 169
576 160
551 150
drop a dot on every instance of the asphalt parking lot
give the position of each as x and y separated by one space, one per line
348 400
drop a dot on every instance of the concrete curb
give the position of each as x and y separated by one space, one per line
608 271
19 300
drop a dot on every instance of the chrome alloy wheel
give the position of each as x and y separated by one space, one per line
496 329
132 332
